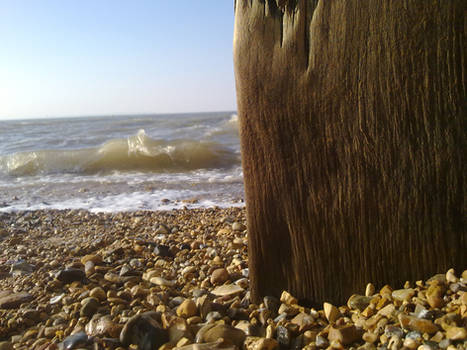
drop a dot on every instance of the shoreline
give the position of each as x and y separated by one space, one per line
166 279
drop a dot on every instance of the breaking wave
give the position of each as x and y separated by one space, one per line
135 153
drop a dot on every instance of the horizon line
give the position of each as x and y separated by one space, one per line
2 118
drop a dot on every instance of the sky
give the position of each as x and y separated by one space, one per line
102 57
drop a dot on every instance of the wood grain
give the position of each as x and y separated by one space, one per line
352 117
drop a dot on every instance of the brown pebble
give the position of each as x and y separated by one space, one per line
331 312
219 276
187 308
345 335
417 324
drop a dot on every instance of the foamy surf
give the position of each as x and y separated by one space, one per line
121 163
135 153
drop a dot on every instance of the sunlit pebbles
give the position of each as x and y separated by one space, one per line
165 280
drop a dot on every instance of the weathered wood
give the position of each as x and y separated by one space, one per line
353 141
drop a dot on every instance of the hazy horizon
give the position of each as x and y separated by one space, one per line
117 115
105 58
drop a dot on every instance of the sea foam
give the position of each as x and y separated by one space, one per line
135 153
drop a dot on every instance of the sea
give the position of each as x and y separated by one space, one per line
121 163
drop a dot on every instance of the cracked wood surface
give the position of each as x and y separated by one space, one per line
352 118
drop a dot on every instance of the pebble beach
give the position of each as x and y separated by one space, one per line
72 279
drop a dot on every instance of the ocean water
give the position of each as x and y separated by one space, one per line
121 163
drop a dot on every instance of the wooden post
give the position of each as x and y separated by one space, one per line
352 117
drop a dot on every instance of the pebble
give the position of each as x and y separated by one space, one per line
76 341
70 275
13 300
331 312
434 296
283 336
6 345
231 335
103 326
257 343
163 251
227 290
219 276
369 290
403 294
162 282
358 302
456 333
370 337
345 335
144 331
98 293
21 268
187 309
237 226
193 287
288 299
321 342
417 324
89 306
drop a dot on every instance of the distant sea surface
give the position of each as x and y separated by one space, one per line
121 163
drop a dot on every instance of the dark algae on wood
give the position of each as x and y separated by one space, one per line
352 117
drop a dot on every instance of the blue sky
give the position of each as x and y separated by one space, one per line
97 57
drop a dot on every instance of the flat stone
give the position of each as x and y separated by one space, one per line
70 275
178 331
227 290
345 335
417 324
21 268
14 300
231 335
94 258
143 331
162 282
76 341
207 346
